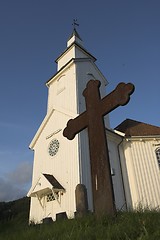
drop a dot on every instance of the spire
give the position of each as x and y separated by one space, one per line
75 33
74 36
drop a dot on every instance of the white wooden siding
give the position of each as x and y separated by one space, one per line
67 98
143 173
82 77
84 161
64 166
115 164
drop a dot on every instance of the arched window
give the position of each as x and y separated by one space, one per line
158 156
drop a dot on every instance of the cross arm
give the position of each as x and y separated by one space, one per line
75 125
120 96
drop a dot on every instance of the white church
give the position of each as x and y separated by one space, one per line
61 164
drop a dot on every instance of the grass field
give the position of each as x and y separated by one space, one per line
136 225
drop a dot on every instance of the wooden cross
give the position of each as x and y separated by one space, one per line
92 118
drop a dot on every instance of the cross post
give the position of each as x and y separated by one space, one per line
92 118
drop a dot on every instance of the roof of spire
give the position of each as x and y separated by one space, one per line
75 33
74 38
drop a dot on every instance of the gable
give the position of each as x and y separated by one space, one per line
55 117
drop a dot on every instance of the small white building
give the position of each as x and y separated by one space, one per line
60 164
140 162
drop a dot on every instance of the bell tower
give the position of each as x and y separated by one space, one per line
75 67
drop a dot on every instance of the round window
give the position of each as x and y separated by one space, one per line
53 147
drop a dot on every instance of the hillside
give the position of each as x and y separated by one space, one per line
13 209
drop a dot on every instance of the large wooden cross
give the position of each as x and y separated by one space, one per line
92 118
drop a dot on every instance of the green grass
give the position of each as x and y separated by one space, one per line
136 225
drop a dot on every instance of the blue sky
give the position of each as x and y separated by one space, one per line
124 36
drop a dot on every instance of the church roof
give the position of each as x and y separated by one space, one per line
44 184
134 128
80 47
53 181
74 33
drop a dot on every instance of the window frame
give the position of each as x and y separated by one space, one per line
157 152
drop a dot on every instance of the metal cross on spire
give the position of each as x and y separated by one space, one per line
74 24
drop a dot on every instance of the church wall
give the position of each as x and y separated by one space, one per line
117 181
84 161
74 52
143 173
62 91
125 173
66 57
80 54
63 166
86 71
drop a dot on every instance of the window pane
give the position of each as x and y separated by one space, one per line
50 197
